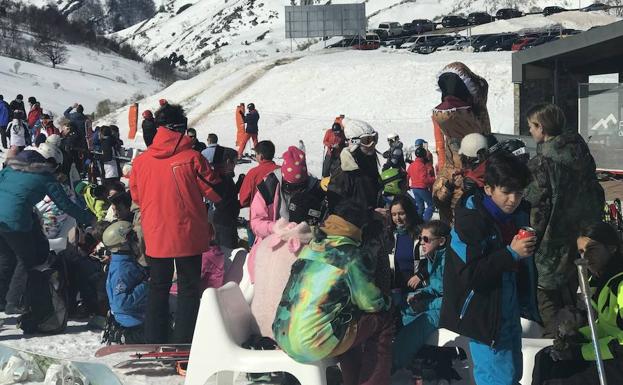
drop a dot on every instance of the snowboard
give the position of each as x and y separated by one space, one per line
17 365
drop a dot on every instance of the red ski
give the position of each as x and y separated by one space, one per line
114 349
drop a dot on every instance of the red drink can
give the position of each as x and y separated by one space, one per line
526 232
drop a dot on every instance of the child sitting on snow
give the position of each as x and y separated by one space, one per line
126 286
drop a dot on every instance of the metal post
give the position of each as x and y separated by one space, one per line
581 264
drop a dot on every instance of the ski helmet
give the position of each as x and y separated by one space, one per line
515 146
250 106
147 114
471 144
420 152
393 136
391 179
359 133
116 236
419 142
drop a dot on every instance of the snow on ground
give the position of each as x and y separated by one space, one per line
298 95
88 77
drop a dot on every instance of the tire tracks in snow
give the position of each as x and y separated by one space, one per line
242 85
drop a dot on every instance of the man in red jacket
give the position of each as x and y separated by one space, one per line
168 182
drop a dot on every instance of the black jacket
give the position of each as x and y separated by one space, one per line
149 131
227 210
251 120
15 105
473 274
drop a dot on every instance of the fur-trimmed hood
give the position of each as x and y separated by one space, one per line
30 161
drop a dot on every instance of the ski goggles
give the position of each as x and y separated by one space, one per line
366 140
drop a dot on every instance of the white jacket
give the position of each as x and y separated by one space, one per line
18 129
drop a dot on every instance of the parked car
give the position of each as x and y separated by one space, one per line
392 28
422 25
552 10
383 34
499 42
408 29
522 42
458 44
508 13
477 40
453 22
431 45
372 41
477 18
541 40
347 41
411 41
596 7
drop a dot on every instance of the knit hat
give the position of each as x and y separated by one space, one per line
49 151
471 144
294 167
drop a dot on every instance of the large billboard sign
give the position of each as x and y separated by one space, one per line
325 20
601 123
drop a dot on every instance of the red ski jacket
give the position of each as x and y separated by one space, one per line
253 178
421 175
168 183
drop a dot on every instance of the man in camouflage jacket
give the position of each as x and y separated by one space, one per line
565 196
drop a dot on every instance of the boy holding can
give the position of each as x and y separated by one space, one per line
490 278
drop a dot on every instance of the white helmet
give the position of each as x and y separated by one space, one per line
392 136
357 129
49 151
471 144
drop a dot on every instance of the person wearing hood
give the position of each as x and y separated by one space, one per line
358 180
169 182
564 196
330 306
395 155
25 181
463 110
149 127
225 215
284 193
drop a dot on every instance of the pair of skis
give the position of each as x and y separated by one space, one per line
176 354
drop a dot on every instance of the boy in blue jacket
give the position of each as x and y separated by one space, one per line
126 286
489 277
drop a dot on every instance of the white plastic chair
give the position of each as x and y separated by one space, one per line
223 324
59 244
238 272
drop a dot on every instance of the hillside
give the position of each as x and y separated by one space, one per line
211 31
88 77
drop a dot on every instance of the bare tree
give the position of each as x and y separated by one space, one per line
53 50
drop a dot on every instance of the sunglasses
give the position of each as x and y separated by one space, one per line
425 239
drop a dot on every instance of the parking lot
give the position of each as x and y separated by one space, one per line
424 36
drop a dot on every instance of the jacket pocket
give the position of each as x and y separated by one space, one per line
466 304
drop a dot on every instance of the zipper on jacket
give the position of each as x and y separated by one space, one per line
466 304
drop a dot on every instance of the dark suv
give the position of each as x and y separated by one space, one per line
422 25
477 18
552 10
596 7
500 42
508 13
453 21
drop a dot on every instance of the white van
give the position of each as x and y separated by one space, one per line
392 28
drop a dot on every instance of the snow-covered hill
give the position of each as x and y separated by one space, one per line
88 77
211 31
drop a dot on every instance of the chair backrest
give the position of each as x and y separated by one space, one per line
236 312
235 270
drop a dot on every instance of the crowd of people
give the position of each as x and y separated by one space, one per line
509 233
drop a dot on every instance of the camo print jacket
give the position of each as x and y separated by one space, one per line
565 196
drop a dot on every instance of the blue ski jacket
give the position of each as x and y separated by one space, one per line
126 287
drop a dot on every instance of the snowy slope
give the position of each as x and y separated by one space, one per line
88 77
299 95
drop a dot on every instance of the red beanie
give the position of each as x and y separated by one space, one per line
294 167
162 102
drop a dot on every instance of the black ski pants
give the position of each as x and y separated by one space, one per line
188 298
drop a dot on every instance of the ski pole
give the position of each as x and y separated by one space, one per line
581 265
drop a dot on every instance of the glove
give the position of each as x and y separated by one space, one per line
419 302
